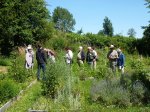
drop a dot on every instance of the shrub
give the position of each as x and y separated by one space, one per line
5 62
8 89
55 75
143 77
109 92
17 71
137 93
59 43
137 65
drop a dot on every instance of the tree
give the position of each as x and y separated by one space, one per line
143 44
131 32
101 32
80 31
63 19
23 22
107 27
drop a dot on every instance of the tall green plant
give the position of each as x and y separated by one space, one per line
23 22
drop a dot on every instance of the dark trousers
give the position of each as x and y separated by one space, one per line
39 69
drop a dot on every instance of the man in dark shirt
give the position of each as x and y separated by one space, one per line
41 61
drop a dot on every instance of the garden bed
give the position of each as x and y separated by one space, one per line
17 98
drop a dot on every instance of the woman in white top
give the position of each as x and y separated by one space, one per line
69 56
29 58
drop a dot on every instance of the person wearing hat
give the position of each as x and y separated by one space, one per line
112 56
120 61
80 56
29 58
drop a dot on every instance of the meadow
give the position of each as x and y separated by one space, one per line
79 88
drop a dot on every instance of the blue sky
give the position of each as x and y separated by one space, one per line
90 14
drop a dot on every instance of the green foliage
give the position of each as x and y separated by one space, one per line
80 31
107 27
131 32
23 22
127 44
137 93
55 74
59 43
63 19
109 92
18 71
8 89
137 65
5 61
27 100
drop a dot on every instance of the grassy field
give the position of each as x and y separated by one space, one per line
75 90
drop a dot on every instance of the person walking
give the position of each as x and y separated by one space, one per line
41 61
112 56
120 61
80 56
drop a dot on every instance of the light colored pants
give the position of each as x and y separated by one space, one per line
113 65
121 69
80 62
94 64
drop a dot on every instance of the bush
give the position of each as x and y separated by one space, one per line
59 43
55 75
17 71
137 93
8 89
109 92
5 62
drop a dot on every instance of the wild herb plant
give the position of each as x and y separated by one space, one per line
8 89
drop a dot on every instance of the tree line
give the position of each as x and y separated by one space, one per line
25 22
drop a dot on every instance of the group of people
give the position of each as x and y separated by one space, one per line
42 54
116 58
90 57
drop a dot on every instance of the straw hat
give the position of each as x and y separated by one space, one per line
111 46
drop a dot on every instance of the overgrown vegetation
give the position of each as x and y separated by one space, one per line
70 87
8 89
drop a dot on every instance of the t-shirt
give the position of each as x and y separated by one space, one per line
29 60
69 57
112 55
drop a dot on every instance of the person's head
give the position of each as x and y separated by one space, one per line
111 47
80 48
29 49
67 49
89 49
39 46
30 45
119 51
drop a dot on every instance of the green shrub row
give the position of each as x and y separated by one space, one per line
8 89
